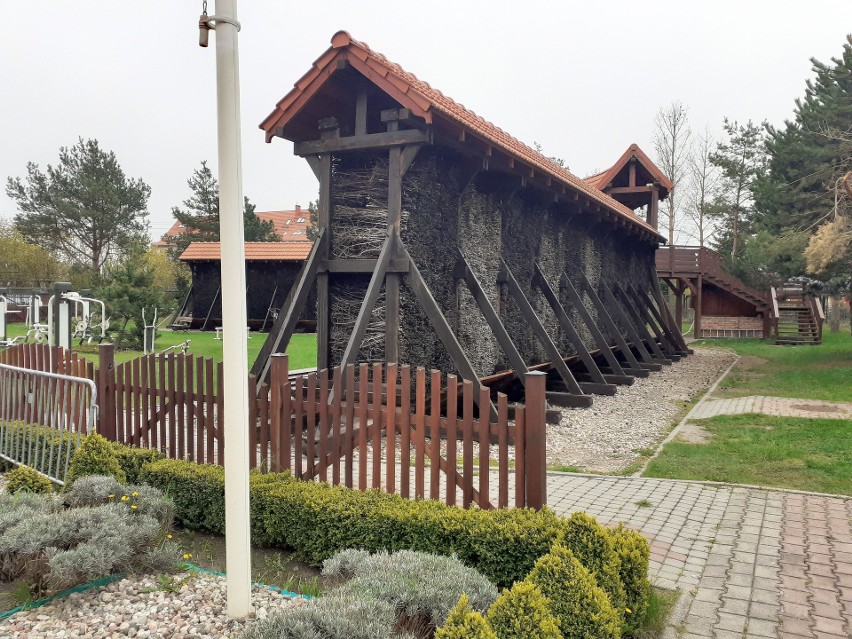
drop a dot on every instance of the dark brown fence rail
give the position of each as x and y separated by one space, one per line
409 431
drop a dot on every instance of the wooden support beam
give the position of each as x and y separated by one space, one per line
669 323
392 280
362 266
506 345
640 326
361 113
629 189
568 327
540 332
655 321
366 310
324 223
285 323
439 323
605 316
604 347
615 308
384 140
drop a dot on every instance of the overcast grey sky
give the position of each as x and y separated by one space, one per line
583 79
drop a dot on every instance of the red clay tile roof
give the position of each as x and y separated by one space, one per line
290 225
255 251
425 101
600 180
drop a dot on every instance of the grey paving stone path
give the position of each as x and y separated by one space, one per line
753 563
779 406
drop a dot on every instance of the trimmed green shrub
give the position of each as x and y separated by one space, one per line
633 551
581 608
593 547
94 456
131 459
318 520
523 613
24 478
419 586
465 623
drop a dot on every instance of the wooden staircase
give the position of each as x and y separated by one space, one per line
797 317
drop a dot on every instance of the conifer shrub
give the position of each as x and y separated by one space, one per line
593 547
633 551
26 479
464 622
522 612
94 456
581 608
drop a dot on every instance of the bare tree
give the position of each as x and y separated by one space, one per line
672 146
704 178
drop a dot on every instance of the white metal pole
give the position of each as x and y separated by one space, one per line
235 349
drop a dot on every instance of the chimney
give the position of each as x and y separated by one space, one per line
298 208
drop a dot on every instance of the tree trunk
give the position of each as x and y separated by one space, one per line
834 302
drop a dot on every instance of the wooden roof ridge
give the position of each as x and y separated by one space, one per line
601 179
425 101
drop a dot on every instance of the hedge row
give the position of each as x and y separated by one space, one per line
317 520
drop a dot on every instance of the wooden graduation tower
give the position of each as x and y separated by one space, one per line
444 242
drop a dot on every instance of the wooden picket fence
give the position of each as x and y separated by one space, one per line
408 431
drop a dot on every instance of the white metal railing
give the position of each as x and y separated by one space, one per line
43 416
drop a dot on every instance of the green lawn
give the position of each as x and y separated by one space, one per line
785 452
302 349
807 372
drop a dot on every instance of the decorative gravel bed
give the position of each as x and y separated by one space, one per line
193 606
607 437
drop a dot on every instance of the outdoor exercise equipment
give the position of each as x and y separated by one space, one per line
4 306
183 347
86 323
149 335
59 316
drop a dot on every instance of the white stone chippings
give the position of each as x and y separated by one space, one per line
607 437
138 607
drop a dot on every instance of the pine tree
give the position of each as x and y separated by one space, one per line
200 215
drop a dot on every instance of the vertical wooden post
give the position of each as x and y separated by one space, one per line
699 286
392 279
536 440
324 221
106 392
678 291
278 381
653 209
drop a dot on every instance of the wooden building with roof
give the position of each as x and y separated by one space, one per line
271 270
445 242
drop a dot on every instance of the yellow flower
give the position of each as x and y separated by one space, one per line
124 498
168 536
628 611
187 555
134 507
135 494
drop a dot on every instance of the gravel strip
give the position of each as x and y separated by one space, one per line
606 438
140 607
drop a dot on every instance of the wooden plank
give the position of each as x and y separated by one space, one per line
282 330
666 333
311 426
353 346
535 444
277 379
201 392
363 391
336 427
520 458
419 432
189 398
435 436
390 432
484 449
180 399
324 223
467 442
508 347
614 307
376 442
385 140
349 413
502 451
172 412
323 438
452 437
209 412
362 266
298 428
405 430
568 327
540 333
